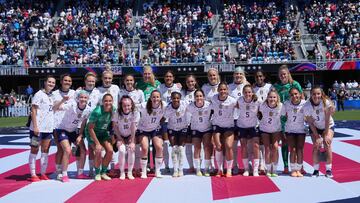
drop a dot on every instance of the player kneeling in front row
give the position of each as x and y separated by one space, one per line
97 134
293 110
178 122
74 118
318 113
125 122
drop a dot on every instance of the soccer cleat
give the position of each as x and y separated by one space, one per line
143 175
329 174
246 173
122 176
82 176
286 170
268 174
181 173
228 174
294 174
97 177
44 177
299 174
104 176
158 174
235 170
59 177
315 173
274 175
256 174
191 170
175 174
167 170
111 173
130 176
65 179
198 173
219 173
34 178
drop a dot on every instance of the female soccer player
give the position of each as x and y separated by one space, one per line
152 113
318 113
211 88
70 130
97 134
178 123
125 122
270 129
148 83
223 106
190 88
41 128
283 87
295 130
246 123
200 114
63 92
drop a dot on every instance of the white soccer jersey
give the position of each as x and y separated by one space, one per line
94 97
44 113
295 117
150 122
166 92
262 92
178 119
113 90
209 91
200 117
57 97
318 113
236 90
189 96
247 113
223 111
270 121
73 116
123 122
136 95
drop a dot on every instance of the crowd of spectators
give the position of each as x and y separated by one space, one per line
263 31
338 24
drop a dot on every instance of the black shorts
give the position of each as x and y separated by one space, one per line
198 134
295 134
247 133
42 136
65 135
319 131
178 134
151 134
126 139
217 129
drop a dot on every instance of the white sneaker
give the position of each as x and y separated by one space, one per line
59 177
256 173
122 176
130 176
143 175
246 173
158 174
181 173
175 174
105 177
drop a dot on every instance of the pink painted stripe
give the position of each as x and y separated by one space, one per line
112 191
9 152
344 169
353 142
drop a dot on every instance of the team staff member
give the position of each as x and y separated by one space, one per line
293 110
318 113
41 128
283 87
97 134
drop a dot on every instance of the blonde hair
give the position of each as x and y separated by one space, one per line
216 72
272 90
152 76
285 67
89 74
107 71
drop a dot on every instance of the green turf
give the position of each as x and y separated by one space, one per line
350 115
13 122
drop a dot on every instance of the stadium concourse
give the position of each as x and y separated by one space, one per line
345 187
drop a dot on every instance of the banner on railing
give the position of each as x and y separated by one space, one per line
15 111
15 70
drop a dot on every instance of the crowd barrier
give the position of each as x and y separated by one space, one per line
352 104
15 111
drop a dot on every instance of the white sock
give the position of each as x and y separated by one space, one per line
235 150
131 160
44 162
58 168
246 164
64 173
212 161
189 154
174 157
256 165
268 168
122 153
197 164
229 164
137 157
166 153
299 166
181 153
293 166
219 159
32 160
80 171
262 157
143 164
91 166
207 164
112 162
316 166
328 167
158 163
274 169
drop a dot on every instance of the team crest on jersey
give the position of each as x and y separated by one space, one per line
154 113
295 110
261 92
200 113
213 89
169 91
238 88
271 113
317 111
79 115
220 106
178 113
125 120
190 96
247 107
